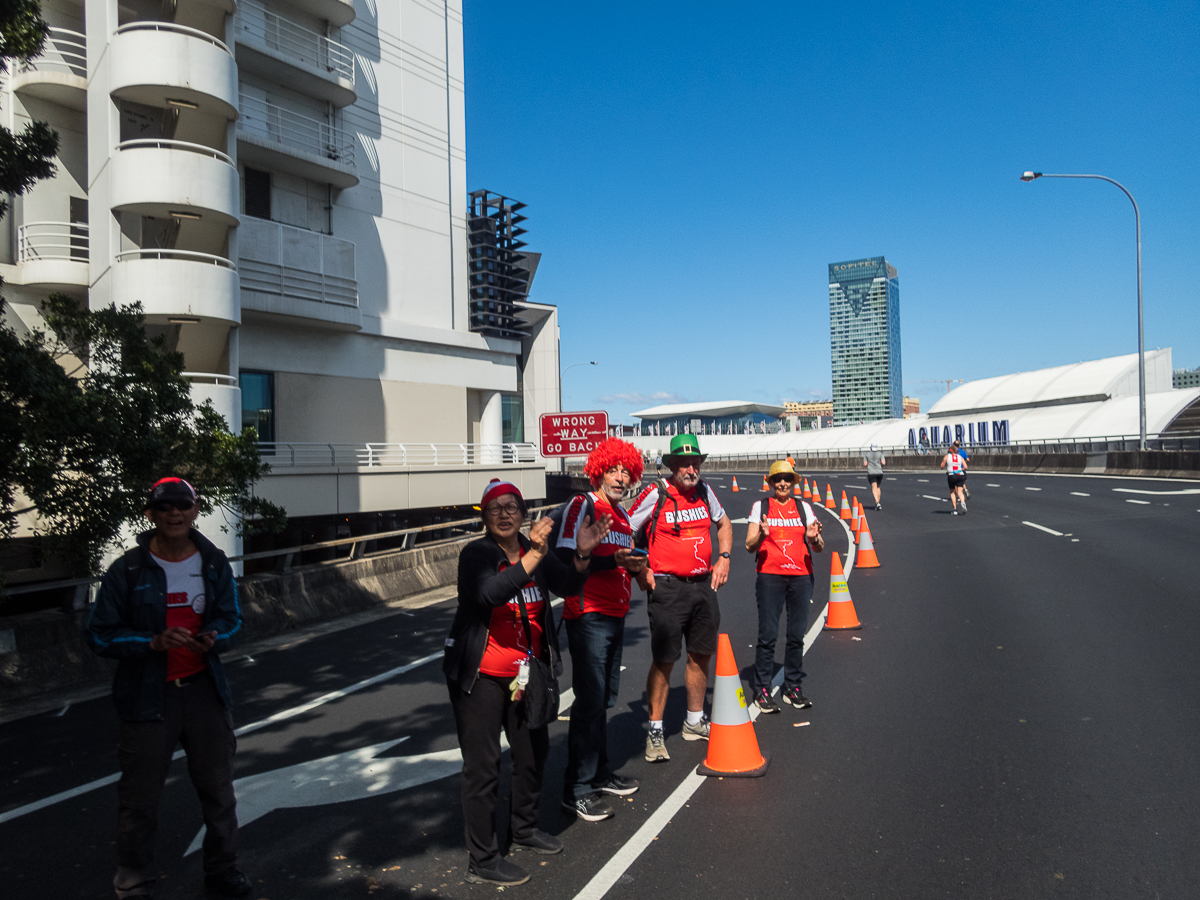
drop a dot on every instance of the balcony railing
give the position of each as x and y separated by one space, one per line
174 29
163 144
258 25
282 455
52 240
294 130
63 51
294 262
167 253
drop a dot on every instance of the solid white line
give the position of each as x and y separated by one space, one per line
1043 528
1157 493
1079 494
58 798
1139 502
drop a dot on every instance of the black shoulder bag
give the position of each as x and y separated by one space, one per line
541 693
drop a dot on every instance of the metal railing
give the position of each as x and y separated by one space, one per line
183 255
294 131
174 29
326 273
64 50
164 144
52 240
281 454
258 25
214 377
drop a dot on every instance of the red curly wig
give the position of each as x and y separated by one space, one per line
613 452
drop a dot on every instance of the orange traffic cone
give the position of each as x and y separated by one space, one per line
735 487
829 503
866 558
844 514
795 489
732 744
765 490
807 493
854 516
841 615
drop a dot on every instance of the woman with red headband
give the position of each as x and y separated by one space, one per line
503 619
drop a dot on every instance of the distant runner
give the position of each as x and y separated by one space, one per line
874 460
956 474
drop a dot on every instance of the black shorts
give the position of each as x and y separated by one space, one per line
682 610
875 479
956 479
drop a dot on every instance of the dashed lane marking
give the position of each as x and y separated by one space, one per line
993 485
931 497
1157 493
1032 489
1139 502
1079 494
1043 528
923 480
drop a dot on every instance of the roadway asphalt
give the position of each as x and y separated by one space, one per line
1018 717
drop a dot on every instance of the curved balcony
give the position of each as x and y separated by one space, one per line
159 178
337 12
316 65
59 74
156 63
285 141
178 283
53 255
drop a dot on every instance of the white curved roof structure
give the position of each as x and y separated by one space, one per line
714 409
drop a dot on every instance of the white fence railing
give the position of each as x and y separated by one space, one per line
258 25
172 28
182 255
295 131
280 454
63 51
294 262
52 240
165 144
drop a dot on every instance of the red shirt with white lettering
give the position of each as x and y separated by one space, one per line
784 550
507 645
682 541
608 590
185 609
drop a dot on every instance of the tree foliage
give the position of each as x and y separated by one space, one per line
92 412
28 157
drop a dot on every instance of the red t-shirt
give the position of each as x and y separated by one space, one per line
507 645
606 591
688 552
185 609
784 550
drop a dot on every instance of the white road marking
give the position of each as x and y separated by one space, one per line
1032 489
858 487
931 497
993 485
1079 494
1157 493
923 480
1043 528
62 712
1139 502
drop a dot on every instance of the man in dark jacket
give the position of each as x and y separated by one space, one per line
164 611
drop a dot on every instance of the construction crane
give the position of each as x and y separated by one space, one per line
945 381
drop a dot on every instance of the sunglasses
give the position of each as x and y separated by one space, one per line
168 505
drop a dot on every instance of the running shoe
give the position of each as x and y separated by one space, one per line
793 697
539 842
589 807
656 746
765 702
619 786
954 512
501 872
962 504
697 732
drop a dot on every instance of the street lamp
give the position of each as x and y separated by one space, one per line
1137 222
573 365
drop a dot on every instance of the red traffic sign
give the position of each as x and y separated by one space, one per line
573 433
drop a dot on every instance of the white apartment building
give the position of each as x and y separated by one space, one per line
282 185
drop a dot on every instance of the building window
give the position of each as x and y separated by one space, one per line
512 411
258 403
257 189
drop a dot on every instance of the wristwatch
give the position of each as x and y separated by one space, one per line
725 554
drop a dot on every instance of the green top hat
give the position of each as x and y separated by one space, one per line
685 446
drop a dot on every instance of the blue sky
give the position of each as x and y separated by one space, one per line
691 169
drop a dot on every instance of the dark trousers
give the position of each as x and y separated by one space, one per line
479 717
773 592
194 716
595 641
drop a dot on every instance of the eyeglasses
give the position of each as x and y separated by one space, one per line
779 479
497 510
168 505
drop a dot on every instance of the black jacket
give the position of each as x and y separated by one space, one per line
482 588
131 608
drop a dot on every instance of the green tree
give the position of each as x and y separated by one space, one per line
28 157
91 413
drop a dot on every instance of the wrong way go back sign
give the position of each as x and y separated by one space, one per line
573 433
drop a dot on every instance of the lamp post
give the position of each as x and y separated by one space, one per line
1137 222
573 365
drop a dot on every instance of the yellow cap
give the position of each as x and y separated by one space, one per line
782 468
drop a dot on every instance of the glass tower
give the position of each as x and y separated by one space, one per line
864 336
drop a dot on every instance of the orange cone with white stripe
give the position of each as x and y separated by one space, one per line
807 493
765 490
829 501
732 744
844 514
855 514
840 615
735 487
795 489
866 558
